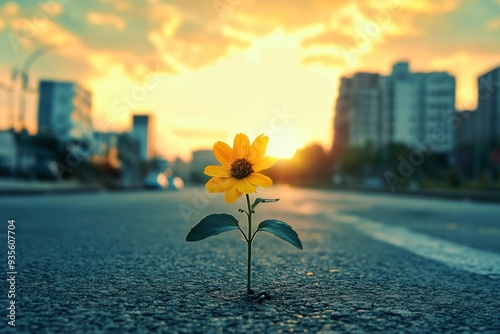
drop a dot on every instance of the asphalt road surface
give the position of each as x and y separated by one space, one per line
118 262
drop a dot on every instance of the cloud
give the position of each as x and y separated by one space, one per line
196 132
187 39
325 60
185 35
27 26
106 19
431 6
355 29
11 9
330 38
120 5
182 35
494 24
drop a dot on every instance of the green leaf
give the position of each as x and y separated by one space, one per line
263 200
212 225
282 230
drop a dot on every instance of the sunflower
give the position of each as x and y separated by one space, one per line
239 173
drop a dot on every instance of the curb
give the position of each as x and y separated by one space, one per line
481 196
49 191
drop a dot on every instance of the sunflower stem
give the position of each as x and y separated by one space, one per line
249 243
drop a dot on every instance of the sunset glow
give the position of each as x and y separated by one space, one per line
206 75
284 146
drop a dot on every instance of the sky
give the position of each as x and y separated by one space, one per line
208 69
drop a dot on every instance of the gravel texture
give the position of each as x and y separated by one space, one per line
108 263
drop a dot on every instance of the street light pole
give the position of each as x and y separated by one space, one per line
14 73
24 73
25 79
6 89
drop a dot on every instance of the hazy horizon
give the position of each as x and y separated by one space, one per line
211 69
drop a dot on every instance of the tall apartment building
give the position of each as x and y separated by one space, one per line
399 103
416 106
465 140
341 121
64 111
488 109
466 131
200 159
438 109
8 151
403 107
142 132
487 146
365 110
357 121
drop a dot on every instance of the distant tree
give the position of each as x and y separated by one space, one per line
463 157
359 161
44 147
394 151
309 166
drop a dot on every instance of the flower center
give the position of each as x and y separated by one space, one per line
241 168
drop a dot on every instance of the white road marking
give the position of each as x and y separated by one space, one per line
449 253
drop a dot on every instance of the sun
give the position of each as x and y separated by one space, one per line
283 146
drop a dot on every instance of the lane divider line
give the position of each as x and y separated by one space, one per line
447 252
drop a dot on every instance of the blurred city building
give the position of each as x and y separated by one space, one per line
6 115
201 159
342 115
64 111
415 106
8 152
401 108
105 149
159 164
125 160
142 132
181 168
364 110
466 131
488 108
488 122
465 134
133 169
395 123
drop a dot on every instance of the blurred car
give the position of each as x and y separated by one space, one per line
159 180
45 170
175 183
155 180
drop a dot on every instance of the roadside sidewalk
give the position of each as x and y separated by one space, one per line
457 194
452 194
13 187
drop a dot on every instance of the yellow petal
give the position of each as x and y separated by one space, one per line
260 180
245 186
219 171
232 194
224 153
265 163
258 148
219 184
241 146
